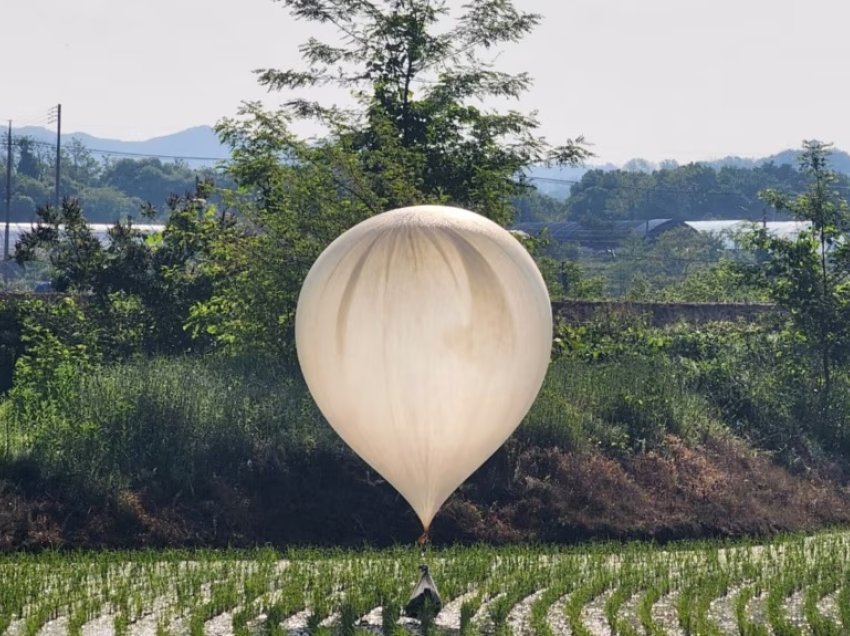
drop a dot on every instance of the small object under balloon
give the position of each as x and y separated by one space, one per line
425 602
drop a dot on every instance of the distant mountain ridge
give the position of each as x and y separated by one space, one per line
839 160
557 181
198 144
201 145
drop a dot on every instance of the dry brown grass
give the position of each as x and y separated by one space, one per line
718 488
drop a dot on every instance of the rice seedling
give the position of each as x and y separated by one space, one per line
774 587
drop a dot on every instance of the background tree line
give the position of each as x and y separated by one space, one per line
112 188
109 188
692 192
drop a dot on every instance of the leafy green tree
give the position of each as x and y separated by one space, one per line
601 197
79 164
108 204
33 188
568 279
537 207
69 244
638 165
140 288
29 164
723 282
809 275
24 207
639 268
27 194
148 179
564 276
690 192
416 134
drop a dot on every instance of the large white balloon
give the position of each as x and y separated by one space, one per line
424 335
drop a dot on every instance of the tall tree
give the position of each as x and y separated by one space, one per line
416 133
417 126
148 179
29 164
809 275
150 281
79 163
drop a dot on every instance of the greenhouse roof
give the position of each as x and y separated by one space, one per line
599 235
729 229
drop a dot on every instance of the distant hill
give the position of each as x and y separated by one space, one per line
556 182
199 144
839 160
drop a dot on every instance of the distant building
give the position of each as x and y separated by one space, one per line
600 236
99 230
730 230
606 236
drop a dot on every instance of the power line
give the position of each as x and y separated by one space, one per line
34 120
123 153
154 156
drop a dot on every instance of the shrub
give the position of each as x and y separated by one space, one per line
175 423
627 404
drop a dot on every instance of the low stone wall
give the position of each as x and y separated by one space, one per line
571 311
583 311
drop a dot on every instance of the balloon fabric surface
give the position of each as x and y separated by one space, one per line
424 335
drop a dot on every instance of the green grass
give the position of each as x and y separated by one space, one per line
177 422
616 386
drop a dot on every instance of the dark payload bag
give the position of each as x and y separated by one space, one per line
425 600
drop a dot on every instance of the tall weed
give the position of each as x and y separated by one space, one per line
174 422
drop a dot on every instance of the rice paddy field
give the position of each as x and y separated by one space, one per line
788 586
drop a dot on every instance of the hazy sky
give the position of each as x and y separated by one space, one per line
683 79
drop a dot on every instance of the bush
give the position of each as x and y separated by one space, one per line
619 383
182 424
758 379
171 423
619 405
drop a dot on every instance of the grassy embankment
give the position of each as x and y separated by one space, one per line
638 432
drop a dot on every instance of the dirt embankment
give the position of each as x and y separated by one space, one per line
720 488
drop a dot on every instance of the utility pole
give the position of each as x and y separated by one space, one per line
8 191
55 114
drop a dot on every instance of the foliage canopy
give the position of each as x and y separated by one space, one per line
416 132
809 275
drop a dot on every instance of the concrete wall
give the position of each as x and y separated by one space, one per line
582 311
